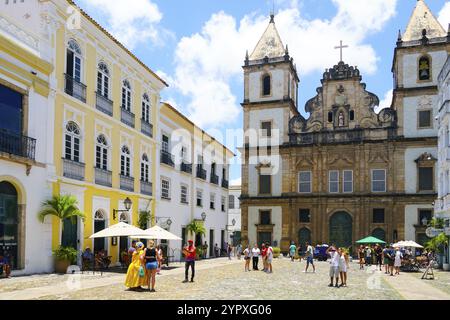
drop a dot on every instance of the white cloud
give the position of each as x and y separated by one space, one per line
236 182
444 15
386 102
131 22
208 62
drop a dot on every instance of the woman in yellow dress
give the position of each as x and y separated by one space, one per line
134 280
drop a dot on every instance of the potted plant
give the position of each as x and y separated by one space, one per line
196 228
64 257
439 244
276 252
62 207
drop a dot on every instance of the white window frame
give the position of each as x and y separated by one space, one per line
373 181
344 181
199 192
223 204
77 54
165 146
103 147
330 172
163 188
145 168
72 136
126 96
212 200
184 194
146 108
125 161
231 201
103 77
300 182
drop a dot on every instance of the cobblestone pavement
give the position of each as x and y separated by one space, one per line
229 281
441 280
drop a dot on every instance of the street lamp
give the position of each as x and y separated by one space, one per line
127 204
203 216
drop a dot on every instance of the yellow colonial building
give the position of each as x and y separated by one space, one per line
106 108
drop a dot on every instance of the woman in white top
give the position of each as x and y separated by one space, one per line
255 255
398 260
343 266
247 256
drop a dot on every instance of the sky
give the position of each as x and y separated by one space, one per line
199 46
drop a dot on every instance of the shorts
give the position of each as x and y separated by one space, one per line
269 260
310 259
246 258
343 268
334 272
390 263
151 265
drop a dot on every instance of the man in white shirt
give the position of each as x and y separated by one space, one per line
309 257
255 254
334 265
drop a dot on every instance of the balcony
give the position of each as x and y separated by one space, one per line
127 117
214 178
103 177
73 169
225 184
75 88
186 167
201 173
104 104
146 188
126 183
146 128
167 158
17 144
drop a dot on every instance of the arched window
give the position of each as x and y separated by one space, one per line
74 60
330 116
99 225
101 153
72 142
123 217
266 85
126 95
379 234
103 80
145 168
352 115
125 162
145 108
424 68
99 215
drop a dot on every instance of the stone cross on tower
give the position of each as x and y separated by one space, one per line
341 47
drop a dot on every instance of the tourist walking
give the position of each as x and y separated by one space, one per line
136 278
229 249
379 256
239 251
368 256
343 266
216 251
334 266
151 257
292 250
264 256
255 257
309 257
205 250
390 254
361 255
269 258
247 257
190 255
385 260
398 261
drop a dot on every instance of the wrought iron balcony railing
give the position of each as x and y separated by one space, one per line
186 167
214 178
146 188
225 183
73 169
167 158
126 183
103 177
104 104
75 88
127 117
201 173
17 144
146 128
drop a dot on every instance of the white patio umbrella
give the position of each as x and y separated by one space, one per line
399 244
412 244
157 233
120 229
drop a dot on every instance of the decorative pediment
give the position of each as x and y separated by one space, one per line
340 160
378 157
304 162
426 158
297 124
387 117
341 71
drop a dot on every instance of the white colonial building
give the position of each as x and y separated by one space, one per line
26 128
234 215
442 204
192 182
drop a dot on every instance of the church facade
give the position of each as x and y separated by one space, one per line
347 170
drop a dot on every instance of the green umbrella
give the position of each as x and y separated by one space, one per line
370 240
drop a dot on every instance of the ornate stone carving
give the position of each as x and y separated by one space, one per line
341 71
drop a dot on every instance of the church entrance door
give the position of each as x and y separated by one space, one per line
341 229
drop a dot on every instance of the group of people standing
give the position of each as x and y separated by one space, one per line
266 254
145 264
339 264
389 256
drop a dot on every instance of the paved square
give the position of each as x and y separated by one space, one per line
223 279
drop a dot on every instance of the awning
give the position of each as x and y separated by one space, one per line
120 229
370 240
